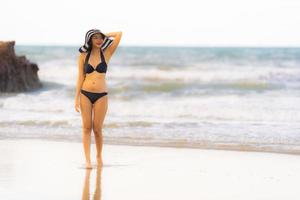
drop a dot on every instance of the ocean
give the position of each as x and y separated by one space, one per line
239 98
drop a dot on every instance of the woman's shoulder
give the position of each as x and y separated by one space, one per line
82 55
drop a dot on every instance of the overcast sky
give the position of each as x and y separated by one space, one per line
155 22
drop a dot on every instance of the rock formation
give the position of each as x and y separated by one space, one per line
17 74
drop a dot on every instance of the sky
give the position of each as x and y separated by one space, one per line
155 22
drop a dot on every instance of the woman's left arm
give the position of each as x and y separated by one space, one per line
117 38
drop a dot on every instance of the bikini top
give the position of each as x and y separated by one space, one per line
100 68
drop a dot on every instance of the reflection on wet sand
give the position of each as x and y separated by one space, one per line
86 186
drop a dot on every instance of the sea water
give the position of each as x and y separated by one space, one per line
203 97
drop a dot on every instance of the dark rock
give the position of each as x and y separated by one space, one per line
17 74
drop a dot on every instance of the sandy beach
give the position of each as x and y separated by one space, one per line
41 169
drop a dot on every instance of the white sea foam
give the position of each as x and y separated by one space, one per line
216 97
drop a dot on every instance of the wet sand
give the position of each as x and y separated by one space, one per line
41 169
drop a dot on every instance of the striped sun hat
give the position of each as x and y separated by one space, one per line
106 43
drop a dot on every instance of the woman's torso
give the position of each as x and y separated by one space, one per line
94 81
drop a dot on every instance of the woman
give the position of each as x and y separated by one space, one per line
91 91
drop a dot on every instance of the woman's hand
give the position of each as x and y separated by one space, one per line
77 106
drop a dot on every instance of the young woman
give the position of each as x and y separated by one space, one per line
91 91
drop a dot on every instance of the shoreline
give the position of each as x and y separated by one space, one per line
168 144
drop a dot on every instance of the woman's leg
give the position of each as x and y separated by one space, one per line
100 109
86 114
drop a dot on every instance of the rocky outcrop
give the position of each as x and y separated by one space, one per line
17 74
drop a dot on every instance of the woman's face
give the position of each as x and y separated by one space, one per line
97 40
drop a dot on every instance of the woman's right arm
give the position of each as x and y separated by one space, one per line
80 79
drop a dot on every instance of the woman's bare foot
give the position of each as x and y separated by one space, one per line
88 165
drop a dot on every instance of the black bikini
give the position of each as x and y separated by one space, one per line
101 68
93 96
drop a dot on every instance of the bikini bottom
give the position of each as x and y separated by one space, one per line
93 96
